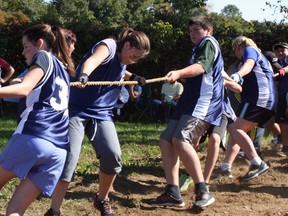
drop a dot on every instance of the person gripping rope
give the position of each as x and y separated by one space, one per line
91 111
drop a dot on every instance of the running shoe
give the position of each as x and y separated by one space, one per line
103 206
203 200
166 199
255 171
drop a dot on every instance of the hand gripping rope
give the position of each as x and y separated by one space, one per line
119 82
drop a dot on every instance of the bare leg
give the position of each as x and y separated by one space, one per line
59 194
232 150
212 155
105 184
238 131
5 176
24 195
170 162
190 159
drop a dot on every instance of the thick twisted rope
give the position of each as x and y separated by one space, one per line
119 82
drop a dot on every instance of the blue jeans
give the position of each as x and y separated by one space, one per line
161 112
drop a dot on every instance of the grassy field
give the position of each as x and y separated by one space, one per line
139 143
143 178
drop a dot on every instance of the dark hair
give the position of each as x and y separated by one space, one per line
203 21
70 37
137 39
55 40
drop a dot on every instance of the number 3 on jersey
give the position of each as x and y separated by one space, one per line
61 102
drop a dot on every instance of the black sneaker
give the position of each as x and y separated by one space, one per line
166 199
255 171
203 200
103 206
51 212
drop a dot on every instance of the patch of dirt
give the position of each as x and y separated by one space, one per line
264 196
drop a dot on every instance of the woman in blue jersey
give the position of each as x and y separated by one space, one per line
257 107
37 150
199 106
91 111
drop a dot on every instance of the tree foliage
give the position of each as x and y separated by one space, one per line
164 21
231 11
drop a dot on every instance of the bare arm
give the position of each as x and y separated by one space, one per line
100 54
10 72
190 71
25 87
246 68
231 84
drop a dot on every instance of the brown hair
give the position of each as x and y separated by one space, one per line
137 39
70 37
203 21
55 40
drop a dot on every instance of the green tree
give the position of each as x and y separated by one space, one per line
31 8
231 11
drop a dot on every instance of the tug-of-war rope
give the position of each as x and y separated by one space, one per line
119 82
128 82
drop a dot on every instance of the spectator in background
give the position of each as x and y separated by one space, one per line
170 94
130 110
4 65
9 71
123 99
135 92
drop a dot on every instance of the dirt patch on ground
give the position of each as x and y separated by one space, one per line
266 195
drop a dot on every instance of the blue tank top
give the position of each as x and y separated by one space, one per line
98 101
259 87
203 95
45 109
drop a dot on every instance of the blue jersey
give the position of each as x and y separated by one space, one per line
203 95
259 87
45 108
98 101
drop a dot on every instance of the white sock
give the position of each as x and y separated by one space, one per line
225 166
256 161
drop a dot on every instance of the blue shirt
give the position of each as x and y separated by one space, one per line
203 95
45 108
259 87
98 101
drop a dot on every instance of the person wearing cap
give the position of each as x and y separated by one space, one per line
281 51
258 104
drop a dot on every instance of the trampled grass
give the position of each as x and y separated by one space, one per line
142 171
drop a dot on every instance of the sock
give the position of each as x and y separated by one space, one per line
200 187
256 161
173 190
225 166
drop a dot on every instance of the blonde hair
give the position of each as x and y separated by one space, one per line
243 42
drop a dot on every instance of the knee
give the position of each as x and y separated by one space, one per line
110 163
